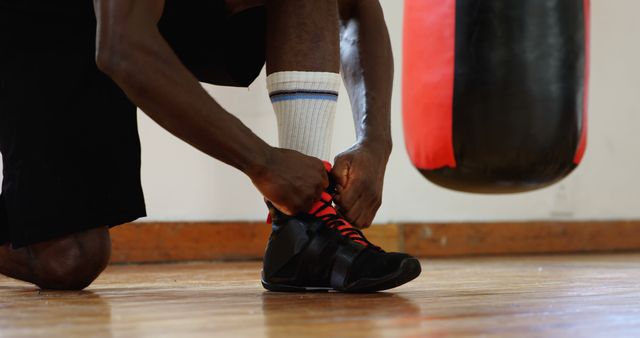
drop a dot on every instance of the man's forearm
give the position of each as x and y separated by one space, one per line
145 67
367 67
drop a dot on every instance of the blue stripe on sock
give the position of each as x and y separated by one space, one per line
303 96
303 91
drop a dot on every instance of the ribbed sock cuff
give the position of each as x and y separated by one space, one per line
305 106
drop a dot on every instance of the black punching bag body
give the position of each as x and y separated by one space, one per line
494 94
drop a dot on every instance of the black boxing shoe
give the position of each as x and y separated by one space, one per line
321 251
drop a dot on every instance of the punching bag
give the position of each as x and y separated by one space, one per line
494 94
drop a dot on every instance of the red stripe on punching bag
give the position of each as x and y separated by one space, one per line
582 144
428 71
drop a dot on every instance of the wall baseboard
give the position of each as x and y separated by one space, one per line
175 241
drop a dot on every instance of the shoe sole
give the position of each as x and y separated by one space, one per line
409 269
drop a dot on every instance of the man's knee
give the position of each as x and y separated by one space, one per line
72 262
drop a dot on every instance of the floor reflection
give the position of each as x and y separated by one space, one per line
309 313
32 312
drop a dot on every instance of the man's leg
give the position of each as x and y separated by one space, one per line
67 263
303 63
71 152
303 81
303 35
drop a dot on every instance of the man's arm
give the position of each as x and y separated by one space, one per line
367 67
131 50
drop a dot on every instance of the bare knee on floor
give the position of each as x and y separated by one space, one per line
72 262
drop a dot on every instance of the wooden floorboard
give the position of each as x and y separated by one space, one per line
176 242
528 296
461 239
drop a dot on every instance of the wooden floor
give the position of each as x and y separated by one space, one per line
544 296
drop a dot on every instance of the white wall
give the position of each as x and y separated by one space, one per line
183 184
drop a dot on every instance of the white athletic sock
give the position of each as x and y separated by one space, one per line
305 106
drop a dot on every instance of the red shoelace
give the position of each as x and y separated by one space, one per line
325 211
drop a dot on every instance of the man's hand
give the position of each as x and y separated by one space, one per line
359 174
291 181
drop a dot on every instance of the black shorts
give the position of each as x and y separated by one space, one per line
68 134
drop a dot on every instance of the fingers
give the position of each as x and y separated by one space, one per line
358 213
354 214
344 200
319 191
292 208
308 203
366 218
364 214
358 204
325 181
340 172
294 183
283 209
309 193
321 171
